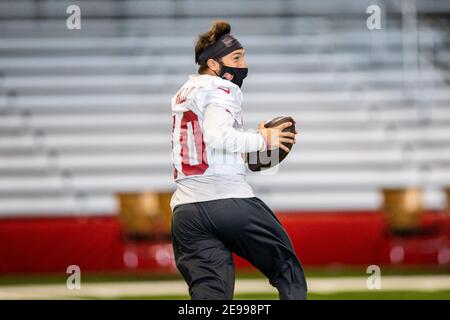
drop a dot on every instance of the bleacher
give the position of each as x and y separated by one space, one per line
86 113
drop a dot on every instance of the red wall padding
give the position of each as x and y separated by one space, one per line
46 245
323 238
96 243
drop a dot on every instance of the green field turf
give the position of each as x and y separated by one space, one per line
315 272
331 272
366 295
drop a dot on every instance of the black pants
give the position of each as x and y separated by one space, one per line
204 234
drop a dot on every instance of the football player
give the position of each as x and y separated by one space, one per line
215 211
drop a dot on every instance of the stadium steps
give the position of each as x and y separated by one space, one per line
86 114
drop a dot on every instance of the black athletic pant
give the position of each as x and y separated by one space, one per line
204 234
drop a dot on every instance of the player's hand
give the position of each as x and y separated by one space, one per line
275 136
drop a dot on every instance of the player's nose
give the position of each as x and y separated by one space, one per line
243 64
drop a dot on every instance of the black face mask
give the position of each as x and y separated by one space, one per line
235 75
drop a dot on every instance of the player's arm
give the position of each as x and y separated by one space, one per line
218 133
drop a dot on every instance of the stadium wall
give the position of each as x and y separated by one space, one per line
32 245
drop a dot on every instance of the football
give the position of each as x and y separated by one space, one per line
270 158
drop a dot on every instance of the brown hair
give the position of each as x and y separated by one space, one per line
218 29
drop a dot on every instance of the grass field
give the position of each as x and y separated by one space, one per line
335 283
362 295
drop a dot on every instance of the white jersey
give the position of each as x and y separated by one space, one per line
208 141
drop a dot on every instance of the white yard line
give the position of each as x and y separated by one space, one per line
169 288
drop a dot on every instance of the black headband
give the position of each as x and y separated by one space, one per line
225 45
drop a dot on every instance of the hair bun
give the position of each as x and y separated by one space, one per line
218 29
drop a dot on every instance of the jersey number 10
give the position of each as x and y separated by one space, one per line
187 168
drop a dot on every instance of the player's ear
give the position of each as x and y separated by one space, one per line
213 65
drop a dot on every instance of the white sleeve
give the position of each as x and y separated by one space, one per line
218 133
